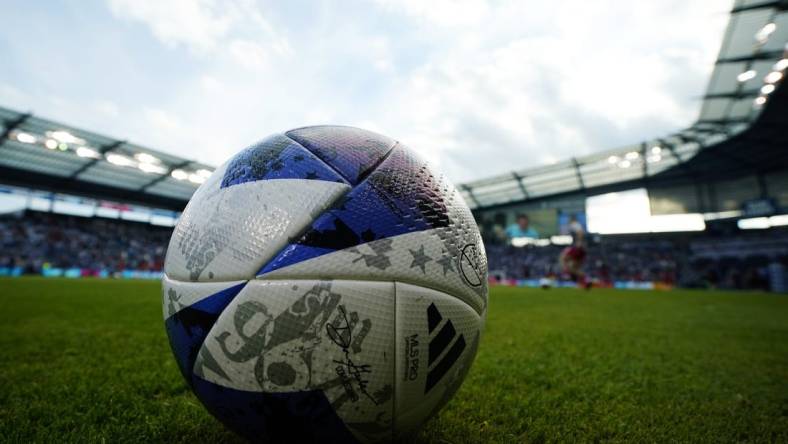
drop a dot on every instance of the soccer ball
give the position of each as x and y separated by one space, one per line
324 285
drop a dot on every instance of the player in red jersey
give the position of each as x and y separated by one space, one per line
573 257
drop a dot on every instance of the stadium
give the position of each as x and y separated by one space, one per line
682 336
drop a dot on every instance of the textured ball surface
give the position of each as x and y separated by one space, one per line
324 285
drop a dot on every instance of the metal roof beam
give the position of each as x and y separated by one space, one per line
767 55
519 180
580 181
165 175
11 125
722 121
779 4
644 156
733 95
103 150
470 194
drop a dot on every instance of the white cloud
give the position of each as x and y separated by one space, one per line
249 54
207 27
197 24
521 85
477 87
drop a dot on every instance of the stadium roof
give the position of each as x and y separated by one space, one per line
57 157
744 108
746 77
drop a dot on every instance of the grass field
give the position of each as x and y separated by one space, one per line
89 361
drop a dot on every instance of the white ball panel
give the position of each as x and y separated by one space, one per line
423 387
292 335
420 258
229 233
177 295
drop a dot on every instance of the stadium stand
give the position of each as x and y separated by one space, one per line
52 244
86 204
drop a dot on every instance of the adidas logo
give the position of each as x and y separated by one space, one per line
439 343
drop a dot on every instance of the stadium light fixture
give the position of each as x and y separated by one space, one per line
780 65
773 77
204 173
196 178
179 174
632 155
656 149
152 168
613 159
146 158
763 34
767 89
25 137
746 75
65 137
119 160
51 144
759 101
654 158
625 164
84 151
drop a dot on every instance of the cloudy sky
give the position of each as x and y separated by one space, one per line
477 87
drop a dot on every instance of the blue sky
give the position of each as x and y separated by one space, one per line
478 88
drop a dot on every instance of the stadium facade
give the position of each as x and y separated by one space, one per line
730 162
729 167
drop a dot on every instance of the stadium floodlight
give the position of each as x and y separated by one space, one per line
780 65
146 158
196 178
179 174
25 137
613 159
759 101
763 34
65 137
84 151
656 149
51 144
119 160
625 164
773 77
767 89
204 173
654 158
152 168
632 155
746 75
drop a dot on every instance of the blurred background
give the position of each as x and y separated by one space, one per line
667 143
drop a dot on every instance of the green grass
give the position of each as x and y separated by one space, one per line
89 361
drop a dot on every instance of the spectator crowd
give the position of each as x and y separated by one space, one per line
34 242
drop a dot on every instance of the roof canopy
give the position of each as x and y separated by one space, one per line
39 152
753 56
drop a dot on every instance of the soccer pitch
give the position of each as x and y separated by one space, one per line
88 360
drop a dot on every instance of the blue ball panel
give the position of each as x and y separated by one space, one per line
188 327
277 157
401 196
353 152
298 417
